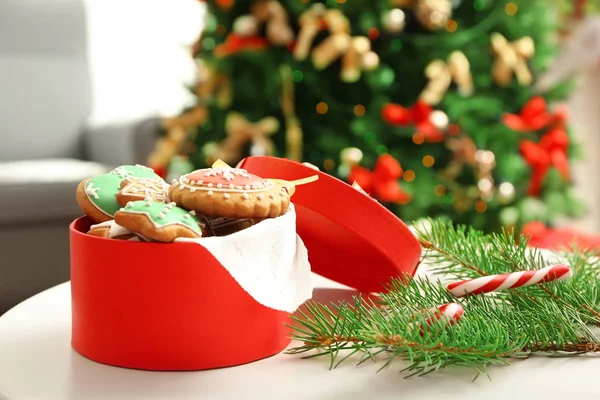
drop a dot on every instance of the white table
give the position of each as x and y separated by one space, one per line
37 362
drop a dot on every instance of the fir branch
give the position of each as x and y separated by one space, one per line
503 253
549 319
453 258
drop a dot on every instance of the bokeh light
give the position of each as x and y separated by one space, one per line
418 138
322 108
511 8
480 206
373 33
428 161
359 110
297 76
451 26
439 190
329 164
409 175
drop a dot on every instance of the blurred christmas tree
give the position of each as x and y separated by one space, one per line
429 105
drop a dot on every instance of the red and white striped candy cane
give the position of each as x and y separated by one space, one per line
494 283
447 314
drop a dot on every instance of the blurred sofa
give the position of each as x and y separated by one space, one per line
45 147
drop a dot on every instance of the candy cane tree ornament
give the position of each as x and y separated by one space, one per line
494 283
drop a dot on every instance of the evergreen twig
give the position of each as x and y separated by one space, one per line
551 318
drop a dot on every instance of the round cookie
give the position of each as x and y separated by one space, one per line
136 189
230 193
138 171
111 230
158 221
96 196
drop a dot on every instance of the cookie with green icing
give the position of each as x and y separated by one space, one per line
159 221
97 196
137 171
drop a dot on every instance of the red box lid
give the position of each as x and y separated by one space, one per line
351 238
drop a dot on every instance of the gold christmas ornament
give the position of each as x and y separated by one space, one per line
433 14
394 20
511 59
441 75
273 15
240 132
355 52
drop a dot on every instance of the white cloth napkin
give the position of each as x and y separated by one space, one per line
268 260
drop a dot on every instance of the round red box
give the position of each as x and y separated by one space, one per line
162 306
174 307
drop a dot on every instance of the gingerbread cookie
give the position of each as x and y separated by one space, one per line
135 189
158 221
111 230
230 193
96 196
138 171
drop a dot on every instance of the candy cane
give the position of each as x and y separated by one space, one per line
446 314
494 283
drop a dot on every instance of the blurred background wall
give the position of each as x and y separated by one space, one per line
139 57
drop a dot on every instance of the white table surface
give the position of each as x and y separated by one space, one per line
37 362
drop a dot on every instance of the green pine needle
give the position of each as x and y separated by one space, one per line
552 318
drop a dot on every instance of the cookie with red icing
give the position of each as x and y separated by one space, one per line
229 193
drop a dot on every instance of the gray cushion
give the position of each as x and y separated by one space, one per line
45 97
121 144
44 190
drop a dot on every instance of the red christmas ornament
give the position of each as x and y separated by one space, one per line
535 116
235 43
382 182
551 151
418 115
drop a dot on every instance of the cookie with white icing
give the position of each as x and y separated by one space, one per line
159 221
136 189
112 230
230 193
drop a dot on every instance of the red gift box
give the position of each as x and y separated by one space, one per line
159 306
